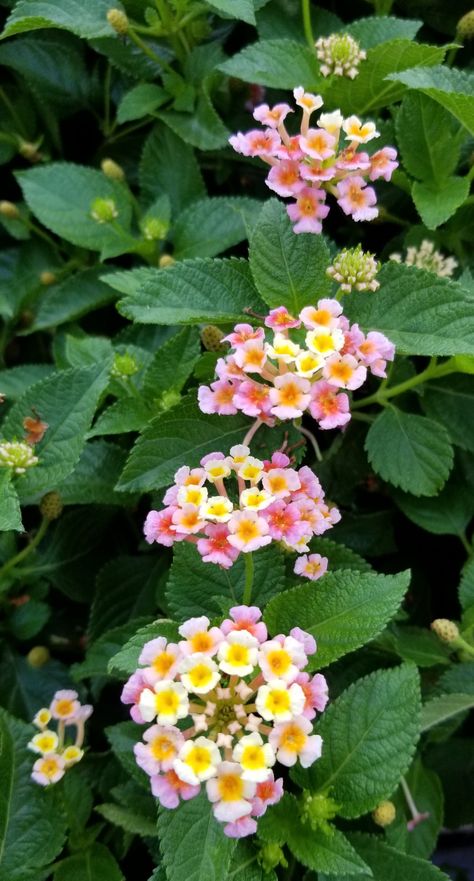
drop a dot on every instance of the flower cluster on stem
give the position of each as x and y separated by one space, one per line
426 256
226 703
340 55
58 750
308 363
317 161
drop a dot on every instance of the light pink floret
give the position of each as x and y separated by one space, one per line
215 548
245 618
168 789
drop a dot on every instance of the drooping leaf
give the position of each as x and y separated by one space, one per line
86 18
70 299
450 87
126 589
95 476
448 513
428 137
438 709
125 819
172 364
279 64
104 648
388 864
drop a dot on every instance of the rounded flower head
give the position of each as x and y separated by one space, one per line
355 268
17 455
340 55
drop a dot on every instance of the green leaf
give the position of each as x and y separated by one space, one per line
172 364
168 165
428 138
243 9
203 128
103 649
125 661
322 851
450 87
410 451
194 291
15 381
125 589
195 588
140 101
369 736
61 194
95 475
26 621
182 436
466 587
122 738
448 513
86 18
450 400
459 679
444 707
373 30
124 415
427 793
415 644
94 864
192 842
347 610
388 864
288 270
279 64
10 512
32 823
67 402
210 226
24 688
69 300
128 821
436 205
421 313
371 89
338 555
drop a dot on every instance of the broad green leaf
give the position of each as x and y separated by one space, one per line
126 589
194 291
23 688
338 555
244 865
428 138
243 9
210 226
104 648
438 709
86 18
410 451
202 128
459 679
415 644
61 194
124 415
427 793
192 842
466 587
279 64
93 864
388 864
322 851
370 90
70 299
421 313
288 270
140 101
195 588
126 820
122 738
369 735
27 620
32 823
448 513
373 30
172 364
450 400
10 512
130 59
450 87
83 351
345 611
168 166
15 381
67 402
95 476
125 661
436 205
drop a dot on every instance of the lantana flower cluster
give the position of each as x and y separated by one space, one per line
307 364
426 256
58 750
237 503
226 703
320 159
17 455
340 55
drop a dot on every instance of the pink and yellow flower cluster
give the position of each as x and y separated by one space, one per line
309 363
58 752
226 703
320 159
237 503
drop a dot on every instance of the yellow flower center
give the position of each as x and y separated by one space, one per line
200 675
64 707
247 530
279 662
166 702
230 787
293 739
162 748
46 742
163 663
342 371
49 767
290 394
238 655
198 759
253 758
201 641
277 701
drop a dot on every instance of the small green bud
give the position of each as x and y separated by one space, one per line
384 814
317 810
17 455
112 169
153 228
47 278
104 210
355 268
270 856
118 21
124 366
9 210
51 506
38 656
465 28
340 55
29 151
446 630
165 261
169 399
211 338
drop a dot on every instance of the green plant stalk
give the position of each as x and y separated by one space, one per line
308 28
249 573
22 555
147 51
384 394
460 643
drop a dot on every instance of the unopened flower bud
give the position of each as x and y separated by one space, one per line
446 630
29 151
51 506
465 28
104 210
166 260
17 455
340 55
47 277
384 814
38 656
317 810
118 20
355 268
153 228
124 366
9 210
426 256
270 856
112 169
169 399
211 338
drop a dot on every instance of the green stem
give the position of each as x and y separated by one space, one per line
312 440
18 558
384 394
148 51
308 28
107 80
249 570
461 643
465 543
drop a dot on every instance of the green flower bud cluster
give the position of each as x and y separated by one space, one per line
355 268
17 455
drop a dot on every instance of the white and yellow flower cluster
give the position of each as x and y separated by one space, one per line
226 703
57 751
